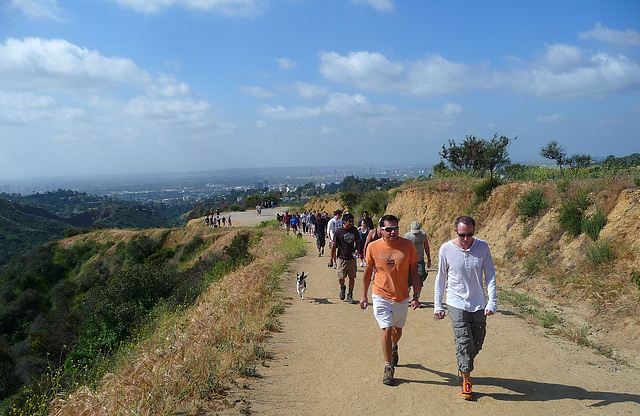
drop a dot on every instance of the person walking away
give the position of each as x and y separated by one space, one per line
393 258
462 262
420 240
347 242
321 229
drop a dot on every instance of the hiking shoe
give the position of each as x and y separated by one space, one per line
394 356
350 299
343 290
387 378
466 391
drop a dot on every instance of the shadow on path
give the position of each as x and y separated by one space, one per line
320 301
526 390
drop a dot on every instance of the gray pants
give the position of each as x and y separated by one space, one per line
469 330
422 273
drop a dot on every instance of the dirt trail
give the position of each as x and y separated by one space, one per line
327 360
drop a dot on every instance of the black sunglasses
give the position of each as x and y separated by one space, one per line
390 228
465 235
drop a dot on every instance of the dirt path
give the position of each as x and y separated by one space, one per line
327 360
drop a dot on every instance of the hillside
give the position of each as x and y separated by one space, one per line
23 228
596 299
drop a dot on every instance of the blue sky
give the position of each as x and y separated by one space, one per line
144 86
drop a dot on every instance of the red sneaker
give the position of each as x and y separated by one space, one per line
466 391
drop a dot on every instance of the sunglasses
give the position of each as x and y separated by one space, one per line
465 235
389 229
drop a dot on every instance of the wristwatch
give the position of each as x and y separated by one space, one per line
416 295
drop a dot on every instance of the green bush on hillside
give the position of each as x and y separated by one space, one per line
601 252
593 224
483 189
112 311
531 203
571 213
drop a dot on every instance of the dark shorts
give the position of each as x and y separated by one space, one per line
320 240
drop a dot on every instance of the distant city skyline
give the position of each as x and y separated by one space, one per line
146 87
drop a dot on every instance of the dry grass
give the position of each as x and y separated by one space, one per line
185 366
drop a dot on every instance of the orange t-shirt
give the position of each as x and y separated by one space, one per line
391 263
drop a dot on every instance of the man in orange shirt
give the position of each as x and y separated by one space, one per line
393 258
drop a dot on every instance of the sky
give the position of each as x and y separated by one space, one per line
92 87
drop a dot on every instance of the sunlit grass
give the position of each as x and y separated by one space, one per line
192 356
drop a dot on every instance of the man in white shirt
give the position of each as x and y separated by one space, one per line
461 265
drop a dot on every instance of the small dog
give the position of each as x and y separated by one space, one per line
299 235
301 285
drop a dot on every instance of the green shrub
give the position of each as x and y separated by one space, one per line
268 223
483 189
235 208
571 213
112 311
192 246
563 186
592 225
238 249
531 266
601 252
635 278
531 203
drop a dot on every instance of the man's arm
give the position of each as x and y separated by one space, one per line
415 282
368 240
366 281
438 289
332 255
427 251
490 280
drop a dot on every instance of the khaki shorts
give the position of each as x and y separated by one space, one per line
347 268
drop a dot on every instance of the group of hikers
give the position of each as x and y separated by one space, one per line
394 265
216 220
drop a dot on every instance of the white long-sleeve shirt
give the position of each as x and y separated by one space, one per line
462 272
334 224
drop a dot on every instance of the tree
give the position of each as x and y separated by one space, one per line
463 157
579 161
350 199
494 154
477 155
554 151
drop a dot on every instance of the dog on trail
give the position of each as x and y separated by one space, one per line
301 283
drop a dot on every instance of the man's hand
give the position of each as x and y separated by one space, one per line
439 314
415 303
364 302
488 312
